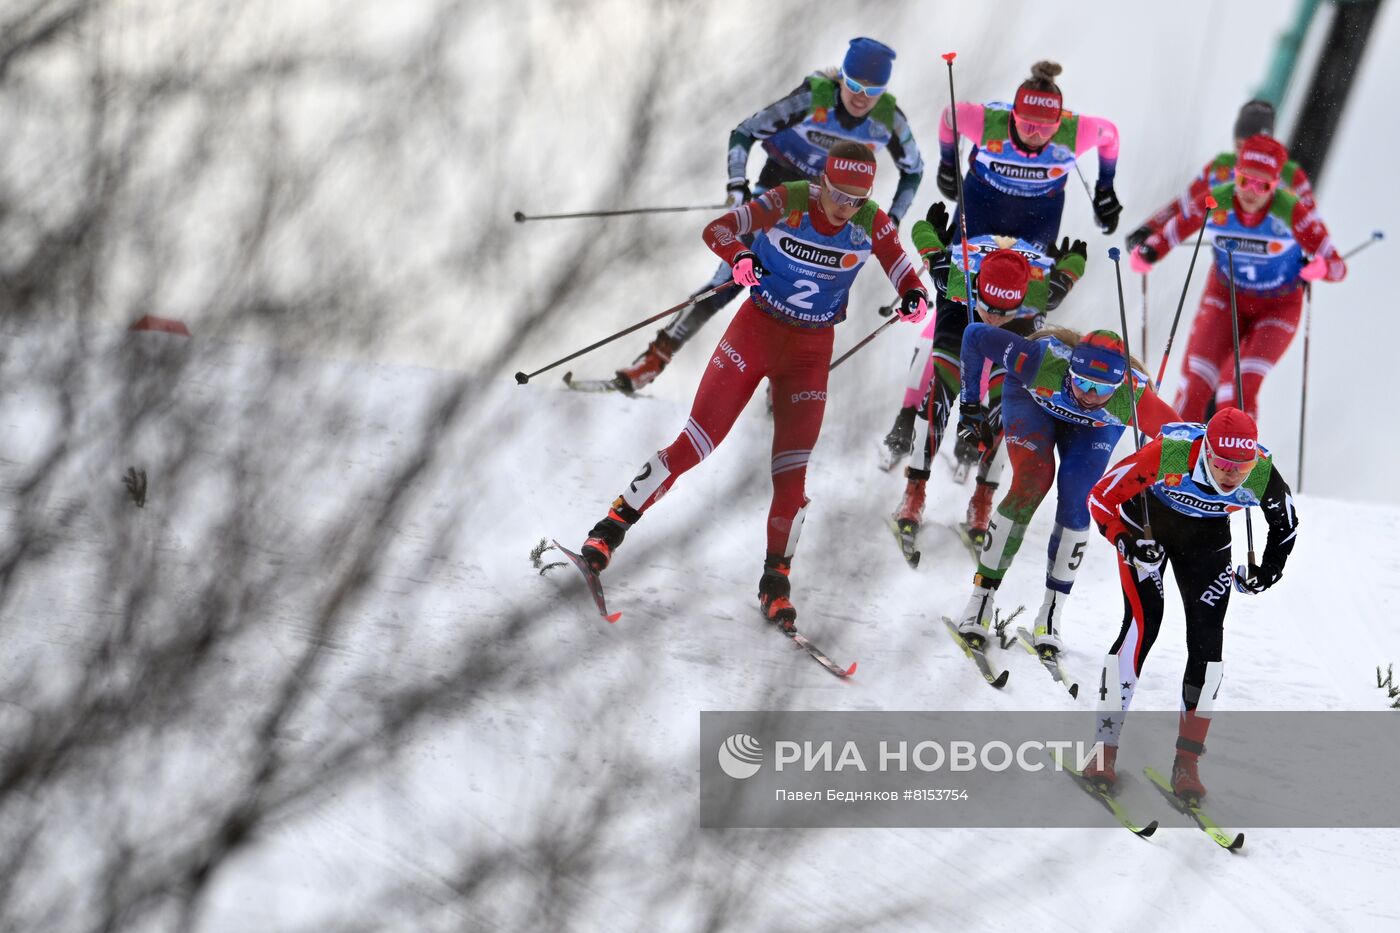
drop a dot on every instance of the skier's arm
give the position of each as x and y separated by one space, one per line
773 119
1018 355
969 125
1311 234
1182 224
903 274
1097 133
1277 506
1069 269
1153 412
1299 184
722 235
910 163
1125 479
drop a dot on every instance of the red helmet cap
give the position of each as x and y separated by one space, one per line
852 173
1232 435
1002 279
1038 106
1262 156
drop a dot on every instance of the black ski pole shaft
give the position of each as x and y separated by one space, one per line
866 339
521 217
1143 348
1128 379
1084 181
523 377
1181 303
1303 402
957 174
1376 235
1239 378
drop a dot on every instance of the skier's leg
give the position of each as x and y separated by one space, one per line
724 390
933 411
1267 327
799 381
1210 332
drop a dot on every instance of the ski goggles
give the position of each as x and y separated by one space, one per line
1089 386
1253 183
1226 465
855 87
840 197
1035 128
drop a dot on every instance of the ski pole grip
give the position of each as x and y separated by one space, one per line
949 56
521 378
1113 253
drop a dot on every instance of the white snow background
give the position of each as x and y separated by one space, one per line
315 683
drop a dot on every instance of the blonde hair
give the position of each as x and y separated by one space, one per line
1071 338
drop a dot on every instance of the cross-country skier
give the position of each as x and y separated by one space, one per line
1256 116
1023 154
797 131
1189 479
1062 392
1279 244
1015 283
809 241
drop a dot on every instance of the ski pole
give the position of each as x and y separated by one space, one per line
1181 303
1114 255
521 217
1239 380
957 174
1303 403
868 337
1375 235
523 378
1084 181
1143 349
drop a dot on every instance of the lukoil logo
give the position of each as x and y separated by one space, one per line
740 756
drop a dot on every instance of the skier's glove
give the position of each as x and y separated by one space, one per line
1066 248
974 430
913 306
1255 579
938 267
1140 260
737 193
1144 553
941 223
948 180
748 270
1314 270
1106 208
1138 237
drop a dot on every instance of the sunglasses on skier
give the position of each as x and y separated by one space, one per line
1253 183
855 87
1231 467
1088 386
1033 128
840 197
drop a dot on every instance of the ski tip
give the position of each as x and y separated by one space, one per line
1001 681
1237 844
1147 831
914 560
1074 691
850 670
569 378
613 617
949 56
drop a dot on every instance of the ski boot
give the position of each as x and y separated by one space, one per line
648 366
979 512
1104 775
899 442
774 588
1190 746
607 535
911 510
976 619
1046 634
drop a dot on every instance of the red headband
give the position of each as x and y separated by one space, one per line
852 173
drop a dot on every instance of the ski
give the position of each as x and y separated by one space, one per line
1050 660
1203 820
590 578
820 657
907 540
1113 806
970 540
591 385
978 656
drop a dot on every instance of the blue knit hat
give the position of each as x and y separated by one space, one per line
868 61
1099 356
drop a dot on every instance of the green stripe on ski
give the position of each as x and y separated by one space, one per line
1114 807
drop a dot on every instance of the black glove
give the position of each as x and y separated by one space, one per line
941 223
1146 251
1144 552
1067 248
909 305
1138 237
1107 208
973 432
738 193
1060 283
938 271
948 180
1256 579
